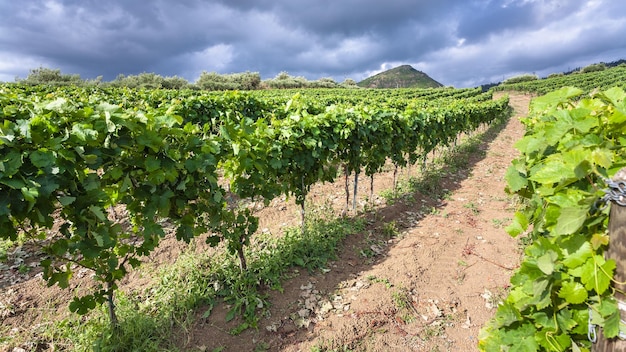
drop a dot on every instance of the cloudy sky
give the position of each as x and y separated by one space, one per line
462 43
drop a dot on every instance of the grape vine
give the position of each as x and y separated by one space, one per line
112 168
571 146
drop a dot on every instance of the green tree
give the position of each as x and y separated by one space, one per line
43 75
593 68
214 81
349 83
521 78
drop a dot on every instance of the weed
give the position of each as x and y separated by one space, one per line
261 347
432 330
384 281
390 229
331 346
472 207
404 303
23 269
389 195
500 223
374 247
5 245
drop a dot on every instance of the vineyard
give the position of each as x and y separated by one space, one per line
95 180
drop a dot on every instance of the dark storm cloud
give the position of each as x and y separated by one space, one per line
457 42
487 19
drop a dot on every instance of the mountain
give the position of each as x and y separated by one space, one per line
403 76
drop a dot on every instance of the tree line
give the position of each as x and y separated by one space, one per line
211 81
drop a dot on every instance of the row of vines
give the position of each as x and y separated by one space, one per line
74 161
572 146
615 76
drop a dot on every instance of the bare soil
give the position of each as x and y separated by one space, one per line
425 274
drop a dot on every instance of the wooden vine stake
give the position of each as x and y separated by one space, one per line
617 252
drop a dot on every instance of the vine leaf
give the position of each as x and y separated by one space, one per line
573 292
518 225
577 256
570 220
546 263
515 179
507 315
595 277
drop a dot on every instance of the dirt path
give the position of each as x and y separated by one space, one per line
424 275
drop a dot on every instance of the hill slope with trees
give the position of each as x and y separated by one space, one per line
404 76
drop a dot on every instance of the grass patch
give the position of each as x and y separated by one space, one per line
148 319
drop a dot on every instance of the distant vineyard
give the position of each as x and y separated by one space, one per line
587 81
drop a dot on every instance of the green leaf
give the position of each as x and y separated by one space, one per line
553 99
532 143
577 255
567 320
152 163
550 341
30 194
611 325
231 314
83 305
99 239
150 139
550 172
546 262
602 158
14 183
605 275
97 211
506 315
515 180
56 104
275 163
596 276
518 225
614 95
236 148
544 320
573 292
83 133
66 200
618 117
570 220
61 278
521 339
42 158
541 293
11 163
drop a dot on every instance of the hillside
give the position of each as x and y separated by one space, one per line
404 76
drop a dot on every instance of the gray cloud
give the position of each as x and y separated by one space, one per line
458 42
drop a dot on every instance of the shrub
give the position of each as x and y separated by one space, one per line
522 78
